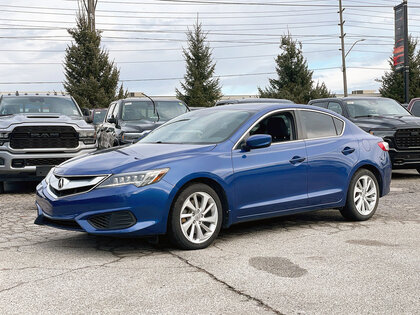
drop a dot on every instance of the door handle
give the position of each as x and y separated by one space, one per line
348 150
297 159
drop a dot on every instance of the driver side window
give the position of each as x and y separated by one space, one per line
280 127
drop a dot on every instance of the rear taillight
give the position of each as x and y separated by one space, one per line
384 146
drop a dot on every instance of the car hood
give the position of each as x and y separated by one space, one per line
131 158
140 125
31 119
387 123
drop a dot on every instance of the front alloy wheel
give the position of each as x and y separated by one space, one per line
362 197
196 217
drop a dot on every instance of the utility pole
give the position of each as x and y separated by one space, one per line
343 53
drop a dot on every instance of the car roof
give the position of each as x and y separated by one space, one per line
165 99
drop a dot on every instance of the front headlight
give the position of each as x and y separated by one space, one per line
137 179
4 135
49 175
381 133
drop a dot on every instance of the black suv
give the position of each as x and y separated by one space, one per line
385 118
129 119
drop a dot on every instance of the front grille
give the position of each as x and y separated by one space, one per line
38 137
68 192
66 224
112 220
407 138
37 162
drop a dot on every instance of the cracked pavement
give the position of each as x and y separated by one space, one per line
314 263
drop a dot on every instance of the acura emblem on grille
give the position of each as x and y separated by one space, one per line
61 183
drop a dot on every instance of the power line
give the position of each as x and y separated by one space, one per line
181 78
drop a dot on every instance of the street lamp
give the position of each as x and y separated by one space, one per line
360 40
344 56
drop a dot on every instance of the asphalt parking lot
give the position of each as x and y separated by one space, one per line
314 263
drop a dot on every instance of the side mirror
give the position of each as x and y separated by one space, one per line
112 120
85 111
88 119
257 142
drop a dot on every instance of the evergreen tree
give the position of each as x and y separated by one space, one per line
294 80
392 82
91 78
200 87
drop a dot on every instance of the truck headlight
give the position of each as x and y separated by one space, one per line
131 136
87 136
137 179
4 135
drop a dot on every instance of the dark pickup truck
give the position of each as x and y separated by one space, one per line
385 118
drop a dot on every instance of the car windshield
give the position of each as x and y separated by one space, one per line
144 110
98 116
375 107
199 127
38 105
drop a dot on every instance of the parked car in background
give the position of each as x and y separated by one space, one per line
253 101
38 132
130 119
414 106
98 115
385 118
216 167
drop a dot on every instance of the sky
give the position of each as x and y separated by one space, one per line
145 39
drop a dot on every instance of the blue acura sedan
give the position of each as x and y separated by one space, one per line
215 167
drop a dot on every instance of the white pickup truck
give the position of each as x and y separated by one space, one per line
38 132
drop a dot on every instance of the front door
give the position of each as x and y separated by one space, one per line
271 180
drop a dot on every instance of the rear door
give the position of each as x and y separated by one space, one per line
332 152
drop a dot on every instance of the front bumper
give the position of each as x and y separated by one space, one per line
9 171
404 159
149 205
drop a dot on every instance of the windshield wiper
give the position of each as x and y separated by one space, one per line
6 114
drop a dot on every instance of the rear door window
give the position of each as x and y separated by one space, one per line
317 125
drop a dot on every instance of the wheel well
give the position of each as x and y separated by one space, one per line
216 187
375 172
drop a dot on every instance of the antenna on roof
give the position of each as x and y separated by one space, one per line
17 93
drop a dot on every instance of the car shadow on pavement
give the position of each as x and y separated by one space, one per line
127 246
405 174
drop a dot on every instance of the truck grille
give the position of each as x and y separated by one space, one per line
39 137
37 162
407 138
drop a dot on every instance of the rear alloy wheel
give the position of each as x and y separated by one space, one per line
196 217
362 197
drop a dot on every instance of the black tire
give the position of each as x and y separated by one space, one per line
418 170
176 233
1 187
350 211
